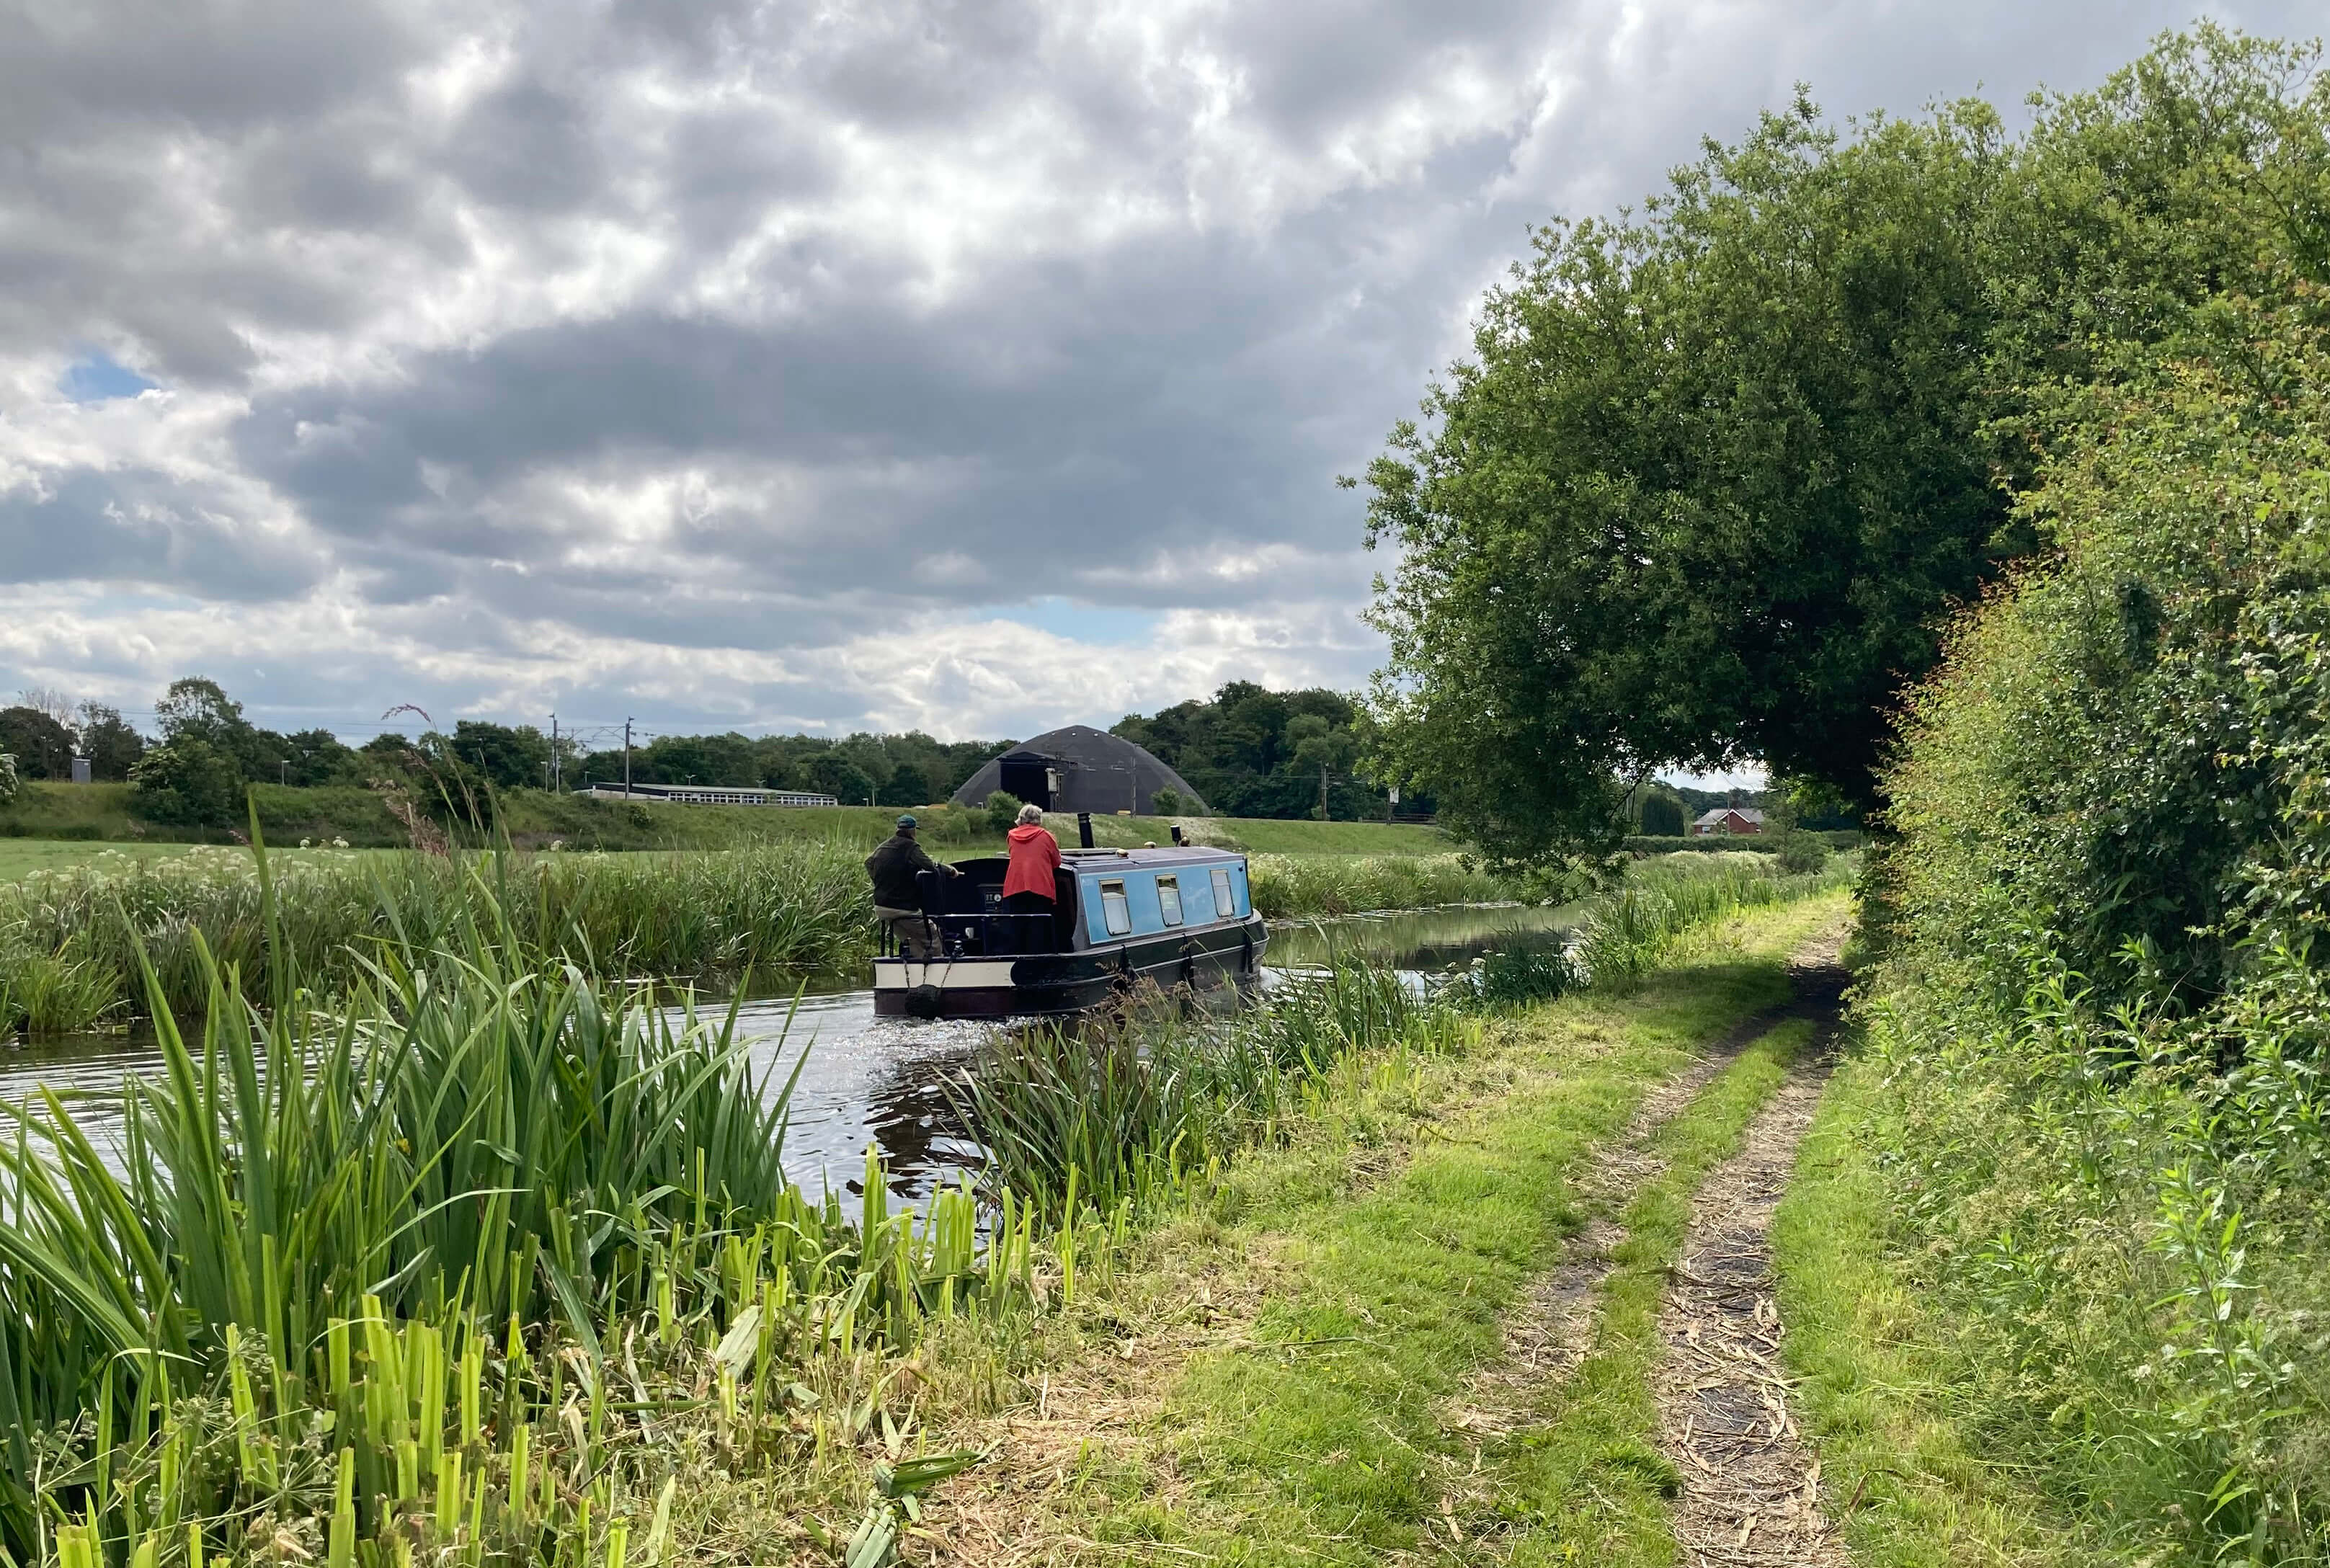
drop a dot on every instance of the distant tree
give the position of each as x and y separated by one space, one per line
836 774
108 740
507 758
318 758
1662 815
908 785
7 778
43 746
1251 752
199 708
870 755
730 760
51 701
1168 802
1002 810
187 783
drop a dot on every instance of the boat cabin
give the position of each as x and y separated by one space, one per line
1183 913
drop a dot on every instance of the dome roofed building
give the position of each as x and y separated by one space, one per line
1079 769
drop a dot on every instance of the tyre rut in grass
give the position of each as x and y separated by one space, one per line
1751 1482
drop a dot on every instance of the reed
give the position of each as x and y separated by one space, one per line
1107 1115
1626 933
415 1277
1289 887
1622 934
73 943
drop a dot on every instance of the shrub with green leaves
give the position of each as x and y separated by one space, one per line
188 783
2103 1002
1002 810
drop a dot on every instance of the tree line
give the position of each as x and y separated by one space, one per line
1250 751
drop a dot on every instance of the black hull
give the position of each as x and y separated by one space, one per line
1057 984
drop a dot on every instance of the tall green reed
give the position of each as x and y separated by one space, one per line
361 1272
74 944
1624 934
1106 1114
1296 887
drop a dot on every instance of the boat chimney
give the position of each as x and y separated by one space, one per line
1177 834
1084 829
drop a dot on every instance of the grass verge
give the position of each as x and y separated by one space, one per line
1909 1479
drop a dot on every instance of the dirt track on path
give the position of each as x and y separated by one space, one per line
1551 1331
1751 1484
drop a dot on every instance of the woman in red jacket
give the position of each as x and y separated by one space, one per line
1035 855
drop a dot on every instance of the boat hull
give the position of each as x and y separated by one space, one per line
1041 983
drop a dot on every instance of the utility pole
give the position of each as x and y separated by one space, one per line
1322 792
627 759
555 769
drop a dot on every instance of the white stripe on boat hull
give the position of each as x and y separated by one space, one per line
949 974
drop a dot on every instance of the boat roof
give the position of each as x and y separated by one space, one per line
1164 855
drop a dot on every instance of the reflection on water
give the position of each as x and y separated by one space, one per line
863 1080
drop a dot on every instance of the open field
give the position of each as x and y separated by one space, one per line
46 811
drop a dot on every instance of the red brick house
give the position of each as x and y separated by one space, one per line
1729 819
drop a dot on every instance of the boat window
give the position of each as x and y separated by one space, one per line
1169 895
1113 909
1225 901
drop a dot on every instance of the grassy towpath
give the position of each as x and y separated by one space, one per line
1317 1363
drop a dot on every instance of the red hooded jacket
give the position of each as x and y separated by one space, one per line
1035 855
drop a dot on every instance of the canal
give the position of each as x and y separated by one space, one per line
863 1080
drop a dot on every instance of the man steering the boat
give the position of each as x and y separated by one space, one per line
898 897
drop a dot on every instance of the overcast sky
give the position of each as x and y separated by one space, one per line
970 367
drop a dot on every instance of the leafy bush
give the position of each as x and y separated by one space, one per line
1168 802
1802 853
1002 810
188 783
2102 1006
8 785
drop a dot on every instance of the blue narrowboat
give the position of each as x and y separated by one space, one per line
1171 916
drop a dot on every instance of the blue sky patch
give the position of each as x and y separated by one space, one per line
96 378
1086 623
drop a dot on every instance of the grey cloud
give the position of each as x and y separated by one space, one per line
137 526
1086 417
70 67
529 145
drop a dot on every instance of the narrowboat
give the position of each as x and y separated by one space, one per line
1179 915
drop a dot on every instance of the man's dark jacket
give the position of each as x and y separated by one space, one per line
893 867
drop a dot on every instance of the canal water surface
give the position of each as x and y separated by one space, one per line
863 1080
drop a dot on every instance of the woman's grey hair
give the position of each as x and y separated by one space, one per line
1031 812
